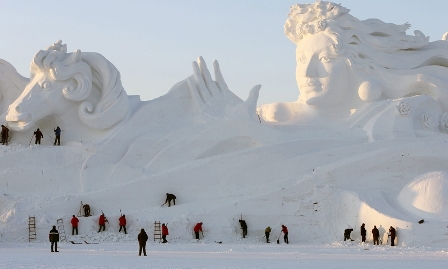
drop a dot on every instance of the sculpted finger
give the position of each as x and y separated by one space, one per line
219 78
211 85
195 92
200 83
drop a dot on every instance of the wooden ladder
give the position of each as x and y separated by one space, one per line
61 230
31 228
157 231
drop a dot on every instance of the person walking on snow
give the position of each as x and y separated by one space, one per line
376 235
164 232
243 227
5 132
392 235
142 238
102 222
57 133
169 197
363 233
38 135
53 236
267 232
198 228
122 222
74 222
285 232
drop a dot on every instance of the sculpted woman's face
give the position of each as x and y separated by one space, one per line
322 75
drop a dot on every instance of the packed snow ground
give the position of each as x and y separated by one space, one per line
212 255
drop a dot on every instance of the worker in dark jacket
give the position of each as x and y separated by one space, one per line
164 232
5 134
142 238
57 133
376 235
392 235
267 232
86 210
122 222
285 232
54 238
243 227
197 228
347 233
74 221
363 233
169 197
38 135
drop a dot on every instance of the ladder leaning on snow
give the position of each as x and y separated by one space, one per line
31 228
61 230
157 231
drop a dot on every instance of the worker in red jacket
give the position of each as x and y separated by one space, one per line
164 232
102 222
74 222
122 221
285 232
198 228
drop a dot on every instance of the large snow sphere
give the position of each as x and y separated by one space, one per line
369 91
427 195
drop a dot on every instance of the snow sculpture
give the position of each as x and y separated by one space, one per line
214 98
60 79
345 65
11 85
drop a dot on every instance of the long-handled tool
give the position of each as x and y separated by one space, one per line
278 239
31 140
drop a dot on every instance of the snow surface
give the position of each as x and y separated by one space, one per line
199 255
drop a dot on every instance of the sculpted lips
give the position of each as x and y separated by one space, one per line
311 84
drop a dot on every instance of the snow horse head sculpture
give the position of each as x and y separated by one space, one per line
342 60
61 80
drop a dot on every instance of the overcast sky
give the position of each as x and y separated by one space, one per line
153 43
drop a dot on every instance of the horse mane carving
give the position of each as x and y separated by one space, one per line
84 77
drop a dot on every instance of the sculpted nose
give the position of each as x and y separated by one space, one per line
311 69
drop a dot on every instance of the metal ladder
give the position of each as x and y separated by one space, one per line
31 228
157 231
61 230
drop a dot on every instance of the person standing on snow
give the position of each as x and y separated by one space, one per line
74 222
142 238
198 228
38 135
5 132
376 235
102 222
57 133
267 232
122 222
164 232
53 236
243 227
169 197
86 210
285 232
363 233
392 234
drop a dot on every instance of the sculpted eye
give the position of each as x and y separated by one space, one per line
301 59
46 85
325 59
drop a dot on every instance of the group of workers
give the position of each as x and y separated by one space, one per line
37 134
375 234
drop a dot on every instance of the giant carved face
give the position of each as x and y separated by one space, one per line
322 75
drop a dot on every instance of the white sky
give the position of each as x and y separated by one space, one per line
153 42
